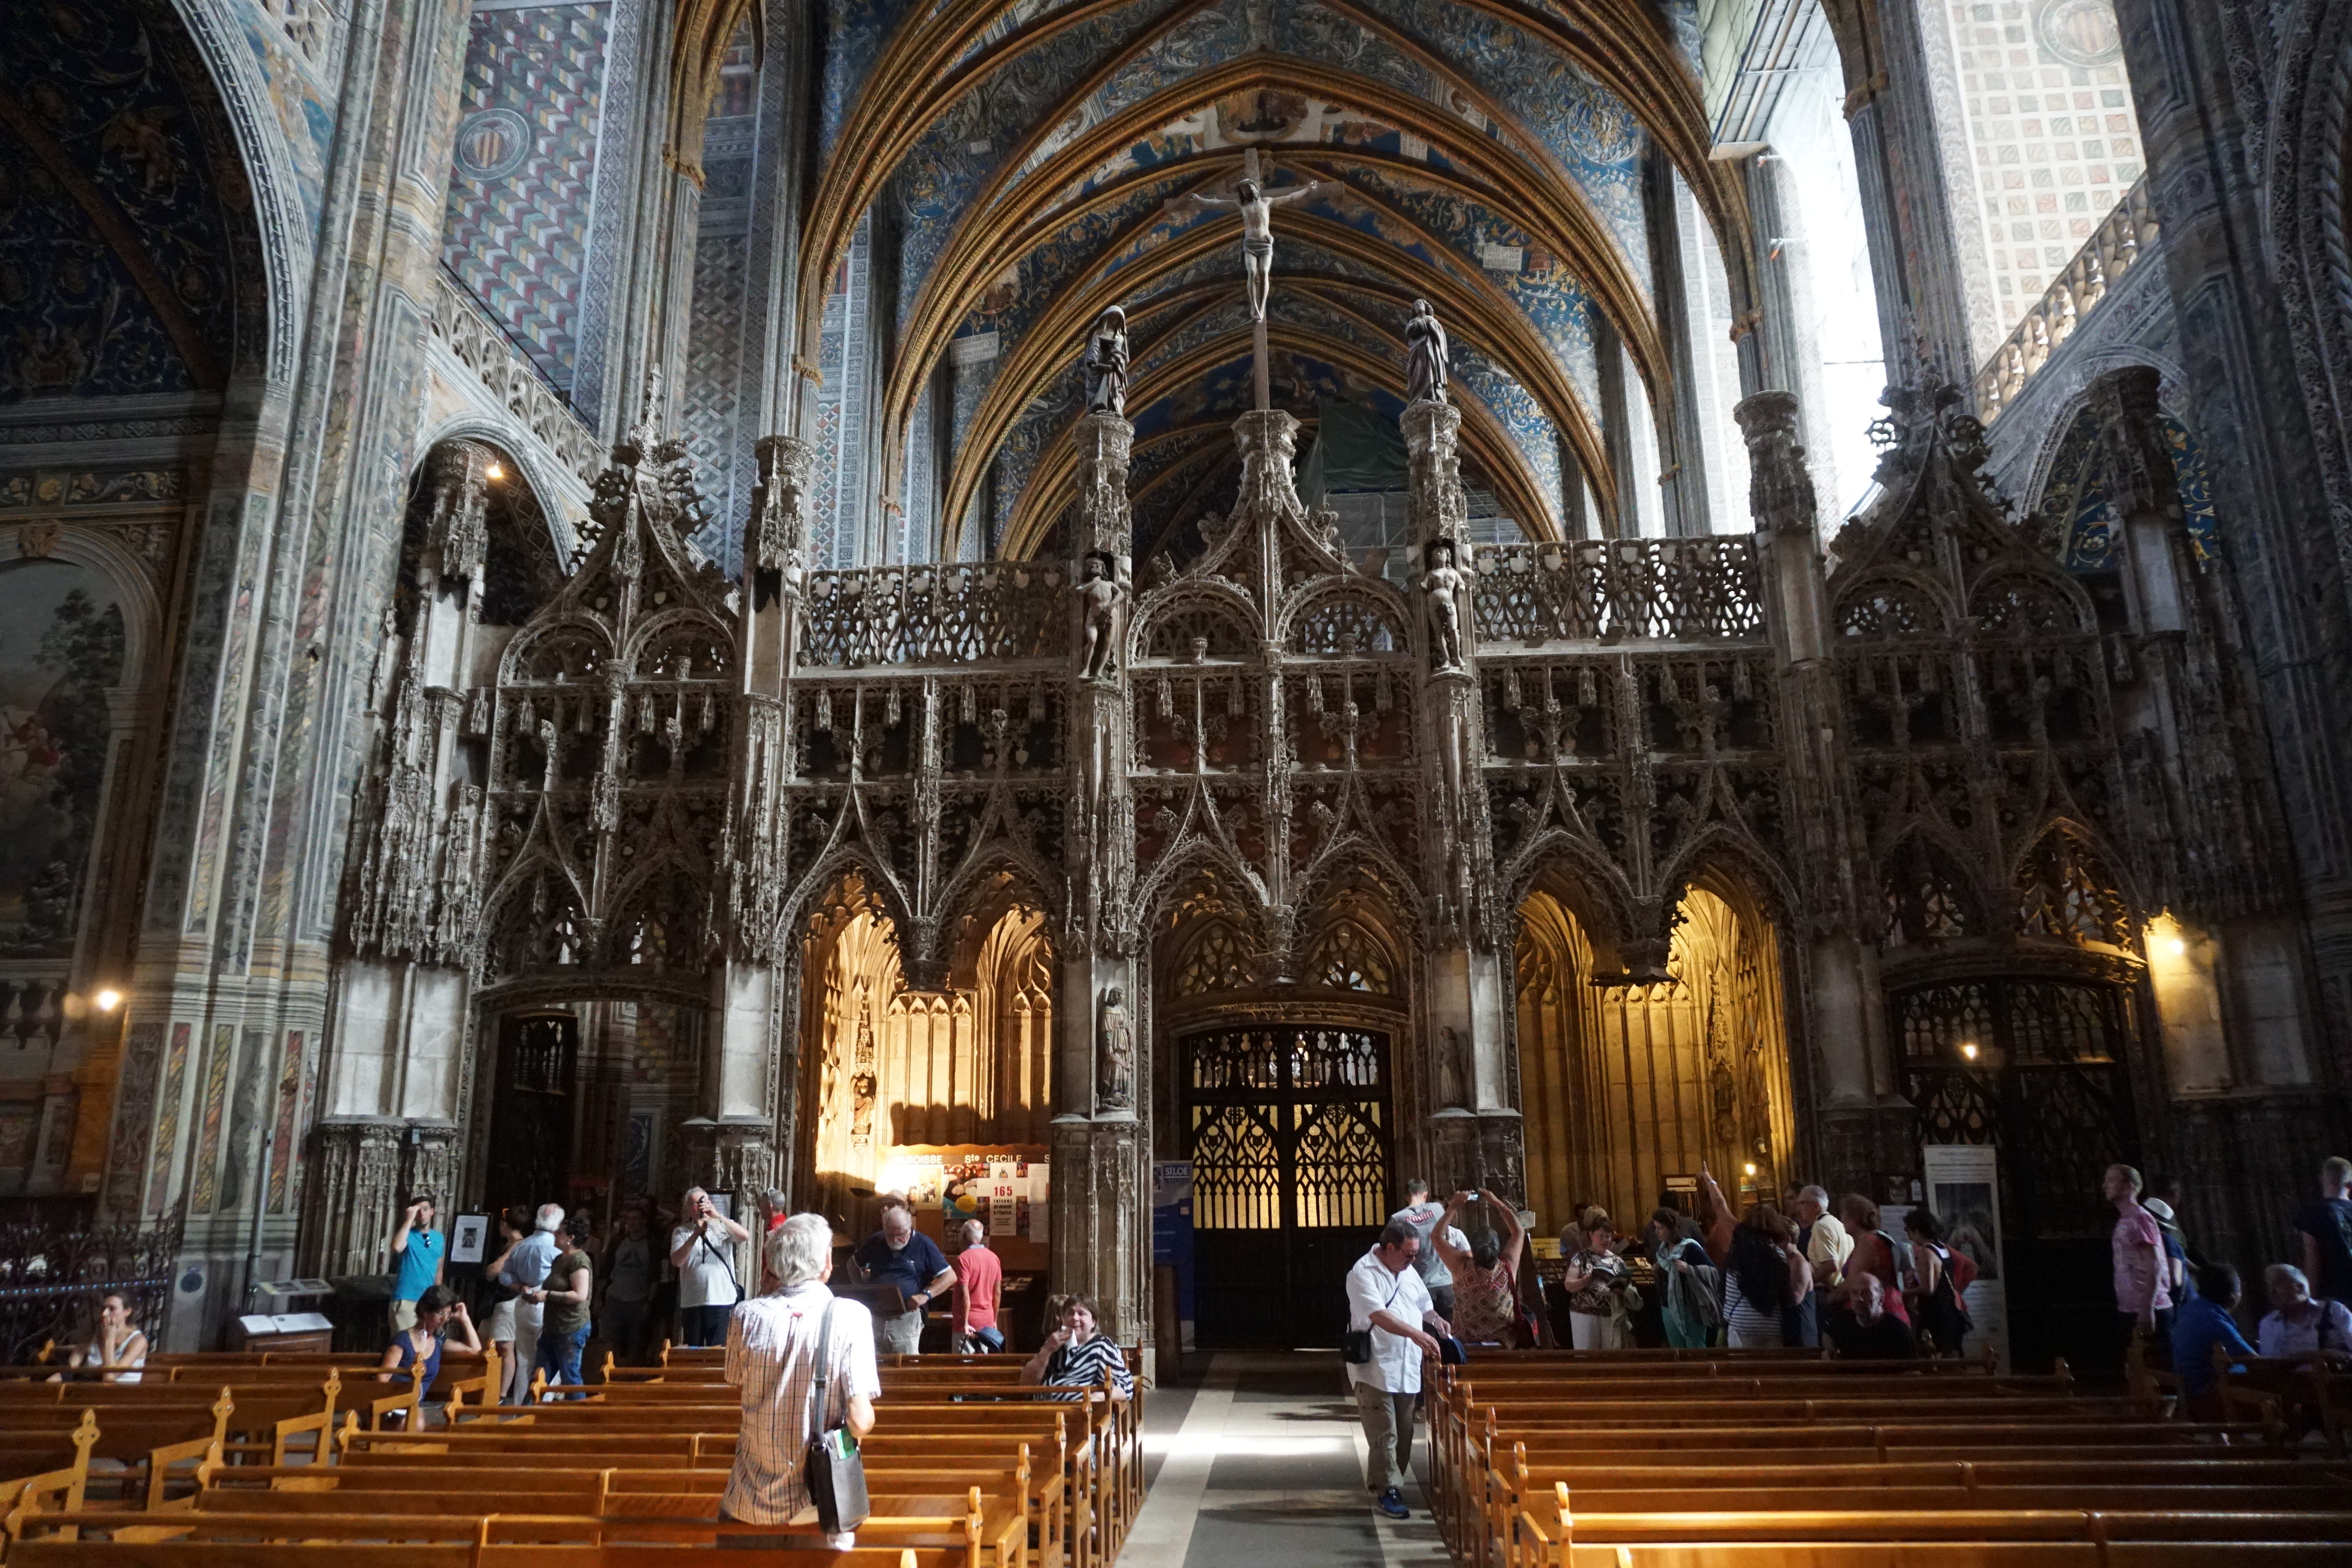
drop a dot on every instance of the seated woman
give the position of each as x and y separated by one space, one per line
1486 1273
115 1349
439 1314
1075 1356
2297 1324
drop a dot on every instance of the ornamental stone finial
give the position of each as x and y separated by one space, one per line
1779 487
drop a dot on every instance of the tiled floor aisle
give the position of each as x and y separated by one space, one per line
1262 1462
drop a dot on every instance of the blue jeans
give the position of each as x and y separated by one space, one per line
558 1356
1800 1324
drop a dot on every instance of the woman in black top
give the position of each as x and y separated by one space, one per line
1936 1310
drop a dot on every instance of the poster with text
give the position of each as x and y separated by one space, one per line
1964 1194
1004 1199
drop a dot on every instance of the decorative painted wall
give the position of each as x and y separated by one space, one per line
2043 138
523 184
61 642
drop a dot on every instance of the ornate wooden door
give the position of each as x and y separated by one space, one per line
1287 1127
530 1112
2036 1066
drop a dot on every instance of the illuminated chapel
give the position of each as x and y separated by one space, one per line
1079 610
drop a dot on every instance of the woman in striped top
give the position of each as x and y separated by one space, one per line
1075 1356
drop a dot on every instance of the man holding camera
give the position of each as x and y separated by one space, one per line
420 1255
702 1250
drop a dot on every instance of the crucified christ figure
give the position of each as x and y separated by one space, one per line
1257 209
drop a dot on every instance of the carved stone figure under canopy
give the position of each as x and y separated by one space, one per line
1441 585
1099 592
1114 1054
1105 364
1429 358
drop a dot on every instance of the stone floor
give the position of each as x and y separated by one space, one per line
1258 1460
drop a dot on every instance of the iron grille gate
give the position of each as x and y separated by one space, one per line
2036 1067
1288 1128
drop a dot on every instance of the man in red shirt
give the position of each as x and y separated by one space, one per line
978 1274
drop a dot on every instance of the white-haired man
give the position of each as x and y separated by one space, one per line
528 1261
702 1250
1822 1236
774 1343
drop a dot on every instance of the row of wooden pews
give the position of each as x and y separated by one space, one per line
1782 1459
966 1468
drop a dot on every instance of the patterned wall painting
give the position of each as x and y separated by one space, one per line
61 645
2083 518
98 133
167 1120
524 177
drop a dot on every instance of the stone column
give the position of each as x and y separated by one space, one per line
1101 1228
401 993
1907 211
2242 398
1474 1130
736 1155
1847 1011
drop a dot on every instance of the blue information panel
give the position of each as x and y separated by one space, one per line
1171 1231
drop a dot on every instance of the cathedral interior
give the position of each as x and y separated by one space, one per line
602 595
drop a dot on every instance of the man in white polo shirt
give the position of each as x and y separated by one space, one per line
1389 1306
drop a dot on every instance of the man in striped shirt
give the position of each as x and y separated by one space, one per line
1075 1356
771 1356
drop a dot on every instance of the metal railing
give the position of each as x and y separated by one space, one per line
2113 249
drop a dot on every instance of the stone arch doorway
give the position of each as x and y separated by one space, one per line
2028 1045
939 1096
1628 1084
1285 1075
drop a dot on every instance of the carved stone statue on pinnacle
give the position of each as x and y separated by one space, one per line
1105 364
1428 358
1114 1054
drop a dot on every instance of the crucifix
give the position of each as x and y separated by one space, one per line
1257 209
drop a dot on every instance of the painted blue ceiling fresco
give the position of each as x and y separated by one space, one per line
2076 502
121 270
1468 152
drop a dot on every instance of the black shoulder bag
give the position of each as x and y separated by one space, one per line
835 1469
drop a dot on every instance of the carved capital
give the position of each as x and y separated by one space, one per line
458 477
1268 439
777 538
1103 442
1779 487
2139 467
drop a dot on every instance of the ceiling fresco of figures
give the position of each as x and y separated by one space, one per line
1034 158
122 269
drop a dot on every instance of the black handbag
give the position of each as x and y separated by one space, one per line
835 1469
